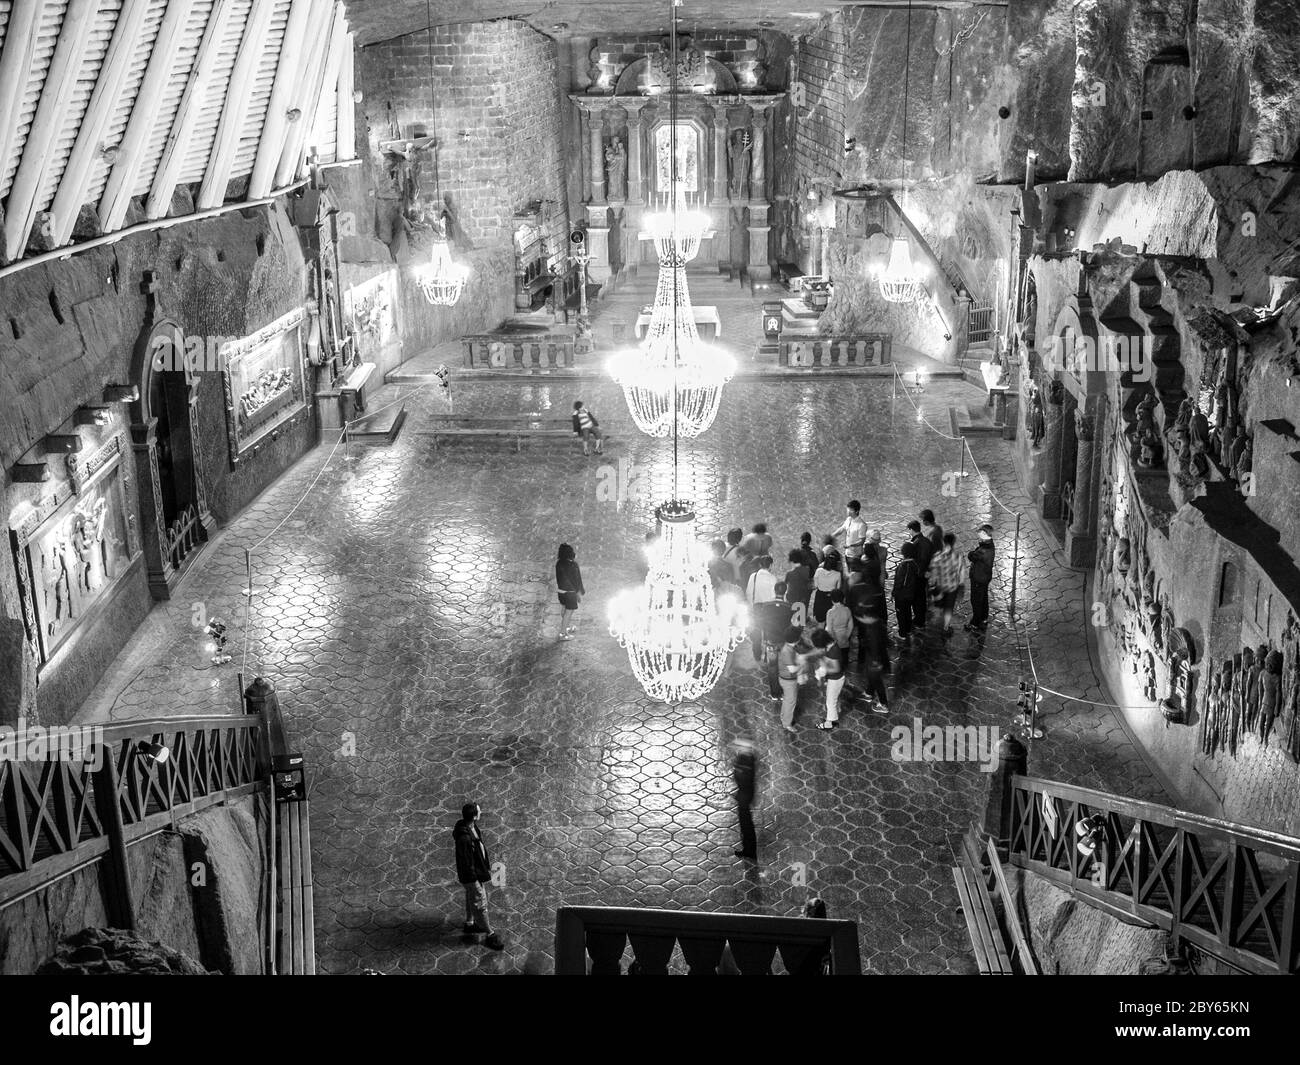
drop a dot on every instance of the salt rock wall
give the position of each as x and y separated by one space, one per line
221 923
1070 938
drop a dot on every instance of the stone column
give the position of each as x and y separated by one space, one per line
1081 537
760 266
719 151
1049 459
597 209
635 151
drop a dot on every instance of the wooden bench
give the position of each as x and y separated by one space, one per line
516 427
296 939
979 889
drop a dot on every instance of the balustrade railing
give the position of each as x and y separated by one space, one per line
1228 889
60 813
857 349
522 351
707 941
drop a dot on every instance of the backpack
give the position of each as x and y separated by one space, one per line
905 579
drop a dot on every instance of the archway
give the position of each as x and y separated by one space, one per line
174 515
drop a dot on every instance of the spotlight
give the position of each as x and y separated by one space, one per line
153 753
217 630
1092 834
444 377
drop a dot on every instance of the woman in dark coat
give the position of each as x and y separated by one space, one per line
568 583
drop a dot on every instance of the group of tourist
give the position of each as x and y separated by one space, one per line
805 622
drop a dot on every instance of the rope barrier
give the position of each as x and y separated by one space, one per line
919 414
987 482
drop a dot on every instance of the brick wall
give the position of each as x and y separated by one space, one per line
496 118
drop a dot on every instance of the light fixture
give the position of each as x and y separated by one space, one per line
902 281
673 382
217 630
154 753
441 279
677 637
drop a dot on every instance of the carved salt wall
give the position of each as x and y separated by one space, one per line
69 332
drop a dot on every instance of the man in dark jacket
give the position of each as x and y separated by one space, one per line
474 870
744 771
981 573
907 578
924 550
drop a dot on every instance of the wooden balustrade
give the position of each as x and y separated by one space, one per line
57 814
1228 889
807 946
519 351
830 352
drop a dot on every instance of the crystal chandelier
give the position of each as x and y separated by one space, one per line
673 382
677 638
441 279
677 229
901 281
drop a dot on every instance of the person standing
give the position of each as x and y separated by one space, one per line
854 531
932 531
981 574
759 542
809 555
787 672
924 556
825 581
798 582
858 599
720 572
831 669
877 664
760 593
474 870
907 576
568 584
744 774
586 426
873 576
947 578
839 620
732 554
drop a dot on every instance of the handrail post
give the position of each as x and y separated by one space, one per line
1013 760
119 900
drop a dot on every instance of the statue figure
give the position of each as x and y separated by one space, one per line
738 150
1199 444
1149 450
1123 555
1270 684
1179 434
616 170
1243 467
1249 689
1037 418
1146 422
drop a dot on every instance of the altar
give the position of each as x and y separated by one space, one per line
704 316
723 136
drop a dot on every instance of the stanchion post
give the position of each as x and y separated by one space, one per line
963 455
1015 566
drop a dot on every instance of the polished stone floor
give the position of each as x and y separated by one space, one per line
406 615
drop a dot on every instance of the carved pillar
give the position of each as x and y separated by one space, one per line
635 151
196 443
596 148
1081 537
144 443
597 210
760 265
1049 459
719 152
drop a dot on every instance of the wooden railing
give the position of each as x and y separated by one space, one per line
858 349
1227 889
58 814
518 351
807 946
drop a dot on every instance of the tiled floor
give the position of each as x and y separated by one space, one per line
406 615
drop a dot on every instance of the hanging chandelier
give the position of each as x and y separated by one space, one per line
676 228
673 382
902 281
677 637
442 280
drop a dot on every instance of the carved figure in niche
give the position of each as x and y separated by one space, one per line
56 576
1148 676
87 540
692 66
1146 422
1241 470
1210 719
1270 686
1199 444
1149 450
1179 434
1249 689
1037 417
1236 704
616 169
738 150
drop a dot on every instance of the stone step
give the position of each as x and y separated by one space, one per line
971 420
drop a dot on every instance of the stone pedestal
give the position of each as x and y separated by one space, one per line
1050 461
759 266
598 242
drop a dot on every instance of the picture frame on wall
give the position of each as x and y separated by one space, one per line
265 379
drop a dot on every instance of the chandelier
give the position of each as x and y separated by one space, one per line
441 279
673 382
901 281
677 638
676 228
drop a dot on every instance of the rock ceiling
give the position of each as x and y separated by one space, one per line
378 20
